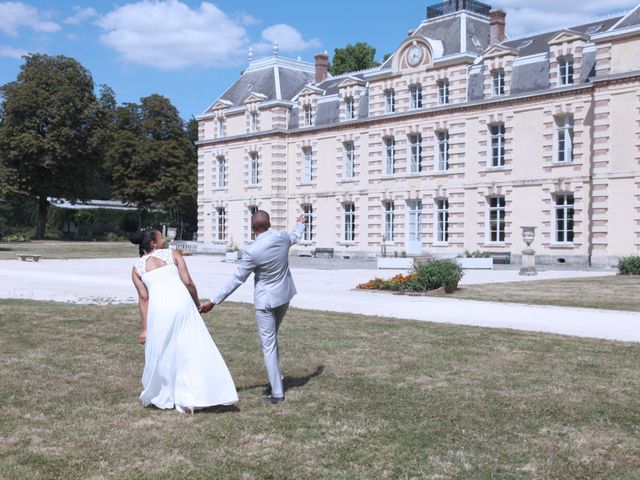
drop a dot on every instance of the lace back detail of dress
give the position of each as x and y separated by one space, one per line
163 254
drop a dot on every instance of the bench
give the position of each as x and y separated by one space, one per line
28 257
501 258
325 251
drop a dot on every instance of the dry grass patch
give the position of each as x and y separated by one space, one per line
53 249
366 398
614 292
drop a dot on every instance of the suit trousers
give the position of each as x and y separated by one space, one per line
268 321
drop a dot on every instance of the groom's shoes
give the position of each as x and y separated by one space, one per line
270 399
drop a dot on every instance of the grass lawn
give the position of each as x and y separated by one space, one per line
616 292
367 398
60 249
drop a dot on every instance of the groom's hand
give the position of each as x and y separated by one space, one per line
302 219
205 307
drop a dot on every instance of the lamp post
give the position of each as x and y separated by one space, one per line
528 254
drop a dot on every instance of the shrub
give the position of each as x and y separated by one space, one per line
441 273
629 265
476 254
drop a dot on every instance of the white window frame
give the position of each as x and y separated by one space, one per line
442 137
497 212
307 211
563 204
497 82
414 221
349 159
221 224
254 168
389 221
350 108
442 220
415 94
308 115
415 153
253 122
564 126
349 232
221 127
389 100
497 133
443 92
221 171
566 70
307 155
252 209
390 155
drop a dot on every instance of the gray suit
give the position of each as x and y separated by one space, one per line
268 259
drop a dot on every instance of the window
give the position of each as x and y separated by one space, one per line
415 147
564 218
496 219
389 217
221 172
498 82
349 160
307 211
308 116
221 128
254 169
350 108
389 101
390 156
564 126
415 220
565 70
308 164
253 122
443 92
442 221
252 209
443 150
497 145
349 222
221 224
416 96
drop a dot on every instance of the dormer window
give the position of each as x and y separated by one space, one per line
253 122
221 128
389 101
349 104
565 70
416 96
497 77
308 116
443 92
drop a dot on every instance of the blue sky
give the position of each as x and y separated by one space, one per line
191 51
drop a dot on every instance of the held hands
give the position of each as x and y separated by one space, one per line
142 337
206 306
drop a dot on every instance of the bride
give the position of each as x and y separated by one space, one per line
183 368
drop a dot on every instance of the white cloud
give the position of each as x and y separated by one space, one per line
171 35
249 20
6 51
80 15
14 15
528 16
289 39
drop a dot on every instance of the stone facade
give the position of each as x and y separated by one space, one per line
453 144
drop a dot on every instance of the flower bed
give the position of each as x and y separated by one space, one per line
425 277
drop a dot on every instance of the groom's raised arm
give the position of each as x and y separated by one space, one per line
298 230
241 274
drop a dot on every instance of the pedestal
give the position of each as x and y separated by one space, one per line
528 262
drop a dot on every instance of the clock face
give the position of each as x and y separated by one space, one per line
414 55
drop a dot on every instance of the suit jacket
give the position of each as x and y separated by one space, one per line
268 258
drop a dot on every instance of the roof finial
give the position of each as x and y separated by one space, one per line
250 54
275 48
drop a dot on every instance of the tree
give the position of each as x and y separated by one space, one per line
352 58
49 124
153 162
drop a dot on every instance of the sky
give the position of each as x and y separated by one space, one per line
191 51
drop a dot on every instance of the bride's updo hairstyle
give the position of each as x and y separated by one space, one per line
143 239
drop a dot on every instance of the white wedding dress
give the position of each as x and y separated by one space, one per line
183 368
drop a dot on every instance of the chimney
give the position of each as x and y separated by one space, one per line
322 66
497 22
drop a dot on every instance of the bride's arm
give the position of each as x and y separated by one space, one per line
143 301
186 278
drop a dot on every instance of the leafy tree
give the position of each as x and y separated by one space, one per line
49 124
352 58
153 162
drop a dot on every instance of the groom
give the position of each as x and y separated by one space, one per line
268 258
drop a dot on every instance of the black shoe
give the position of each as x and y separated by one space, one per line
270 399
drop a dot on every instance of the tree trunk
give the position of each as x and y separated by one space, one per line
43 210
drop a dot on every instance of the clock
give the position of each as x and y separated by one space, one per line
414 55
